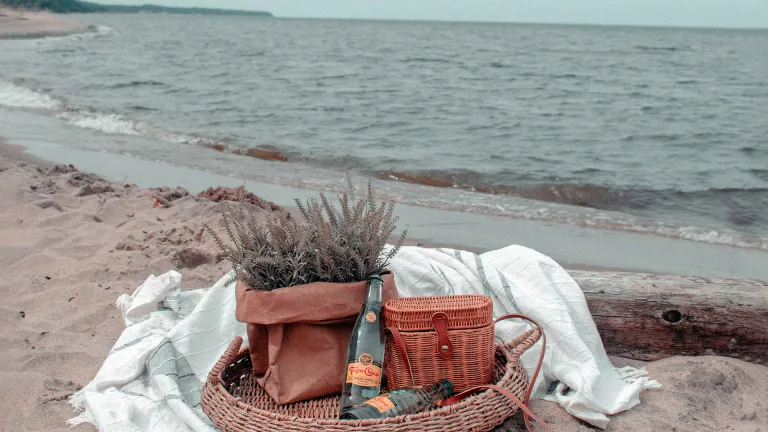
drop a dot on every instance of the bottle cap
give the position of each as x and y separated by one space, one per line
376 277
447 386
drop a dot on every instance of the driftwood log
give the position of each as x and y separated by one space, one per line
650 316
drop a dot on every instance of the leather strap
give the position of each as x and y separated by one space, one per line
467 393
523 405
444 346
535 372
400 345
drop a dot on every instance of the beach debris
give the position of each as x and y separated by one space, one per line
70 299
238 194
165 195
47 186
123 246
82 179
159 200
192 258
48 203
47 278
94 188
62 169
22 314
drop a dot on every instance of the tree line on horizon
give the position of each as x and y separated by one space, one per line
77 6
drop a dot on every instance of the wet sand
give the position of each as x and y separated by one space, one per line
572 246
21 25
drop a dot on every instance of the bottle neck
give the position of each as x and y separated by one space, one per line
373 293
442 389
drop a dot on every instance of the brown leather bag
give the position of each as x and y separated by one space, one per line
298 336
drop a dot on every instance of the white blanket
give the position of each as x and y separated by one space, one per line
152 378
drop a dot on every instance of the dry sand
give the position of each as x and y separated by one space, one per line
27 24
70 244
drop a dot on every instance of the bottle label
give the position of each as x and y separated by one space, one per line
364 372
381 403
370 317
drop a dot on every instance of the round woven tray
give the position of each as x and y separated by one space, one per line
236 403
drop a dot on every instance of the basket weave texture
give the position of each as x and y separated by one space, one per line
235 402
470 331
415 313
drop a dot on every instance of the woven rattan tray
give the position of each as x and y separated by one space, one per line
236 403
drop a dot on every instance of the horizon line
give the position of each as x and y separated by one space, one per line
459 21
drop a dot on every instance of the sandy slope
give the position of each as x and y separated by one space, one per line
65 259
15 24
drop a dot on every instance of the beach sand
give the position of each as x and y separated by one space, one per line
27 24
71 243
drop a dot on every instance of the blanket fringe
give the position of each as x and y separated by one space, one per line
77 400
79 420
123 303
632 375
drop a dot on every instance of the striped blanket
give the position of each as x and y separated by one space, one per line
152 378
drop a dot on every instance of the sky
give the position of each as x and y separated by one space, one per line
696 13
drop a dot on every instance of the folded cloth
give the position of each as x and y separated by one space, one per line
152 378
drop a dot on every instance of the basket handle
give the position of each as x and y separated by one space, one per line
400 345
523 406
516 347
214 376
527 340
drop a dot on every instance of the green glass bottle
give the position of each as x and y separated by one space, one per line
365 355
400 402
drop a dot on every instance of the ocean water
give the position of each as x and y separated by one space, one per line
654 130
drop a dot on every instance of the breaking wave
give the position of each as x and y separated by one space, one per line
16 96
579 204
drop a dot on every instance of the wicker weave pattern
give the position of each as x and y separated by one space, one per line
235 403
470 331
468 367
415 313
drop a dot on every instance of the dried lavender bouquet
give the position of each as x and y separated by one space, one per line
329 244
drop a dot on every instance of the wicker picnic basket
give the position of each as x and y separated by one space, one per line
440 337
235 402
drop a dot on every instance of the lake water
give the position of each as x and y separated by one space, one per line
652 130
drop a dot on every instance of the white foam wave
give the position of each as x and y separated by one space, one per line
116 124
94 30
108 123
16 96
522 208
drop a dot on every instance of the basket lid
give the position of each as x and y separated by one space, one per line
415 313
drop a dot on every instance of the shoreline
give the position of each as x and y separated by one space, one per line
18 153
37 24
574 247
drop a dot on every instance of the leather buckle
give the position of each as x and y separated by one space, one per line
440 323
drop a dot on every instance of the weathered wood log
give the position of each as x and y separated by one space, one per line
650 316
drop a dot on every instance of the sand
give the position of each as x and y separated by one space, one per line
27 24
705 393
71 243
